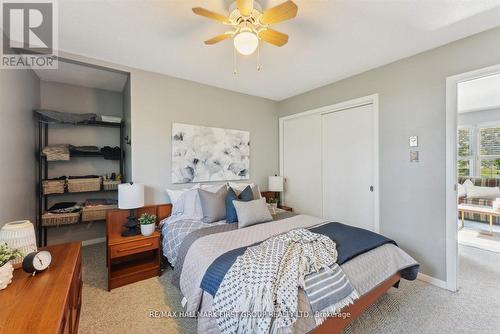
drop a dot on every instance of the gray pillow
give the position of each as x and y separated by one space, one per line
252 212
213 205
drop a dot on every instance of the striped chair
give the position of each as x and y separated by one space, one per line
483 182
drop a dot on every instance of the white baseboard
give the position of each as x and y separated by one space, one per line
432 280
93 241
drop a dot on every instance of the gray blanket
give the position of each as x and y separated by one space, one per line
365 272
171 240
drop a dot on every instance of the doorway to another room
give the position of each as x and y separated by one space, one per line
473 168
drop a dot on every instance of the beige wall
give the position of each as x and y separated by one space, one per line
412 96
159 100
78 99
19 96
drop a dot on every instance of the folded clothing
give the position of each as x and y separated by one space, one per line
111 153
64 207
84 177
84 150
100 201
111 119
51 116
56 152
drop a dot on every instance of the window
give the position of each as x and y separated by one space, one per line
489 151
465 158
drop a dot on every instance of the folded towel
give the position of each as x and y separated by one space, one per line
111 119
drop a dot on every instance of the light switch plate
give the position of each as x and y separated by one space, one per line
413 140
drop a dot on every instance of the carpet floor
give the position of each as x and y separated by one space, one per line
416 307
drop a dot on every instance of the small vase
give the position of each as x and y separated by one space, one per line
148 229
6 275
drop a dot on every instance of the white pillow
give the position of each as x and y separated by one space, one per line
239 187
468 183
462 192
174 194
213 188
482 192
252 212
188 205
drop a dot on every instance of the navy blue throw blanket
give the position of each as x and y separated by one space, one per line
350 242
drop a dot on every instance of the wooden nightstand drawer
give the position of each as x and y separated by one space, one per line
134 247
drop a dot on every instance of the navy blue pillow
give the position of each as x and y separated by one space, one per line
245 196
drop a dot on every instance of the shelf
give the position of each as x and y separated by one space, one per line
96 123
82 192
81 155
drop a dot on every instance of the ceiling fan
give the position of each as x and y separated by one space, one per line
249 24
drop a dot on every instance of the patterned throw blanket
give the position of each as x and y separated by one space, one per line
259 293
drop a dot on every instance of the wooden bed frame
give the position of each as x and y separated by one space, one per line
332 325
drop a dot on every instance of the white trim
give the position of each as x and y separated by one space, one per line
93 241
431 280
494 107
451 169
365 100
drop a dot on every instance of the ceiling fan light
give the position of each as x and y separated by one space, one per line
246 43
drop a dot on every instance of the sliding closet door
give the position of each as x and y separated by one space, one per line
301 152
348 166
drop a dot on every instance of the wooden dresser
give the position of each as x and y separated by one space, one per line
48 302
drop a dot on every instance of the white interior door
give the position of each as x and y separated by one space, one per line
301 150
348 166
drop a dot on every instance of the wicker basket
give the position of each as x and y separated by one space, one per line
110 185
57 219
84 185
53 186
95 213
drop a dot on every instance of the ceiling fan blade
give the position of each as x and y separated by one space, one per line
273 37
286 11
219 38
245 7
211 15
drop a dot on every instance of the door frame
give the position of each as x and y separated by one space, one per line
451 169
365 100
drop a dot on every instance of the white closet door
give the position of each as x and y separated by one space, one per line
348 166
302 164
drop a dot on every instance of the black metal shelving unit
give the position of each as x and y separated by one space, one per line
43 164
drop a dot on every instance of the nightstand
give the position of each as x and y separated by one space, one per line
286 208
130 259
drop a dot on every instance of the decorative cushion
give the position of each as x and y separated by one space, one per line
482 192
467 183
461 190
187 205
239 187
213 205
252 212
213 188
245 196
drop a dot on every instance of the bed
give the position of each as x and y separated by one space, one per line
199 253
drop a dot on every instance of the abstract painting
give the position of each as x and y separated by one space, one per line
203 154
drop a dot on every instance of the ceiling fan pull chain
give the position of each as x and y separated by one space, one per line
235 65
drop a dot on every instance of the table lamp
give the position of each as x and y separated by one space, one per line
275 184
131 197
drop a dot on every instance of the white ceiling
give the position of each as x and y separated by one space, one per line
80 75
329 40
479 94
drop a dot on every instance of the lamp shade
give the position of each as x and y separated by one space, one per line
275 183
19 235
130 195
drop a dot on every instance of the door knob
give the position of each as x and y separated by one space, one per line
371 188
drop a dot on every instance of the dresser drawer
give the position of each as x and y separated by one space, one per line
133 247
